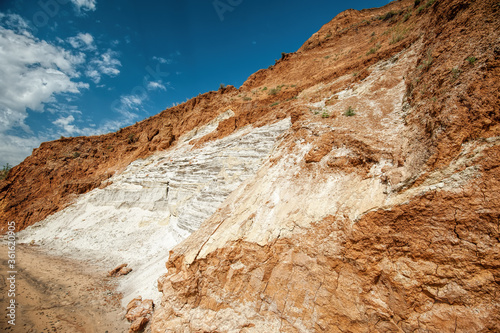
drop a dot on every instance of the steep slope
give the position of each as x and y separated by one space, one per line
383 221
351 187
84 163
154 204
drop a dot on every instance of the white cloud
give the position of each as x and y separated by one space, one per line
94 75
163 60
84 5
14 22
131 102
82 41
32 73
86 38
66 124
45 77
156 86
129 105
106 64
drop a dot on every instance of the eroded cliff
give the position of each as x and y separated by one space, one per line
382 221
351 187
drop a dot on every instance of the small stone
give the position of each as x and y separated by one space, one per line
138 324
120 270
137 308
134 303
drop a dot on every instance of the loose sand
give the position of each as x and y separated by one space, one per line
55 294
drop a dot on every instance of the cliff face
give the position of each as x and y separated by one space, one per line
155 203
351 187
387 220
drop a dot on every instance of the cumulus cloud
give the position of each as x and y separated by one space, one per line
156 86
84 5
36 75
32 72
83 41
106 64
66 123
14 22
94 75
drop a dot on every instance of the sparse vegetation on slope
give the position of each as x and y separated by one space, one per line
5 171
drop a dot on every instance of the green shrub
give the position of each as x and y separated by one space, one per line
389 15
374 49
427 62
247 98
274 104
76 154
396 38
455 72
131 138
5 171
429 3
471 60
325 114
274 91
349 112
416 3
406 17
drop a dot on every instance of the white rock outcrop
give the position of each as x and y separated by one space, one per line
155 204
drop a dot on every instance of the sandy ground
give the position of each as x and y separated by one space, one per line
55 294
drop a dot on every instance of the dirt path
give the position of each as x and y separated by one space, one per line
58 295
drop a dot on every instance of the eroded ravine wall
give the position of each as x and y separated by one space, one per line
155 204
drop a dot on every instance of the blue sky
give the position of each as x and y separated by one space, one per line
85 67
